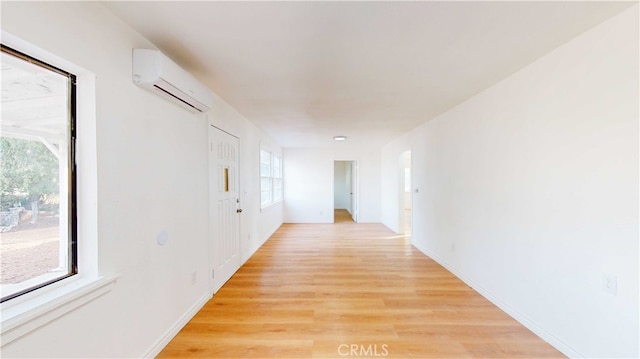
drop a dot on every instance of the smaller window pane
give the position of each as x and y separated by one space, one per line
265 157
265 170
277 189
265 184
277 172
270 178
266 197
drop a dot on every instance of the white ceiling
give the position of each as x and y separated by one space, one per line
306 71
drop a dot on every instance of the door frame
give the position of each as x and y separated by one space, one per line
355 186
401 189
212 197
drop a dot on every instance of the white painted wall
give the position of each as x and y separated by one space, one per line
152 175
308 188
529 191
392 184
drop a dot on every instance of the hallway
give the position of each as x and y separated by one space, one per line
323 290
342 216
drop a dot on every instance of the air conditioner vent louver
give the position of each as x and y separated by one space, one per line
175 97
156 72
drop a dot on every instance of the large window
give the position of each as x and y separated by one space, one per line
270 178
37 175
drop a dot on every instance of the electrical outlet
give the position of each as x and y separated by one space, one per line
610 284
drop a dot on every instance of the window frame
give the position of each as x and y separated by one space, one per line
276 194
72 218
25 314
276 181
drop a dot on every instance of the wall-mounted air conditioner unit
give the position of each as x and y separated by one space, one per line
156 72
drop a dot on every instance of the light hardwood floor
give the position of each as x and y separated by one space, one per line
337 290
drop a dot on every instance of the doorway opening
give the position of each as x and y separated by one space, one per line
405 212
345 191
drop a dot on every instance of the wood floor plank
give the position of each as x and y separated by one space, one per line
326 290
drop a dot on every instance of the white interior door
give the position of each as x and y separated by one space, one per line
224 203
354 191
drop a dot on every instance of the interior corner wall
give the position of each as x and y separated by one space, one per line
390 183
308 183
152 176
528 191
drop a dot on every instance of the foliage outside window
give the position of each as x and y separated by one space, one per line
270 178
37 175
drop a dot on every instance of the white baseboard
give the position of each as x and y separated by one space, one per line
307 220
363 219
271 233
175 329
252 251
515 314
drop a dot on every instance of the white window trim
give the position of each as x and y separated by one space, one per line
22 318
26 313
273 201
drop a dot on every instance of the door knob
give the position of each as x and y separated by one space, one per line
239 210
